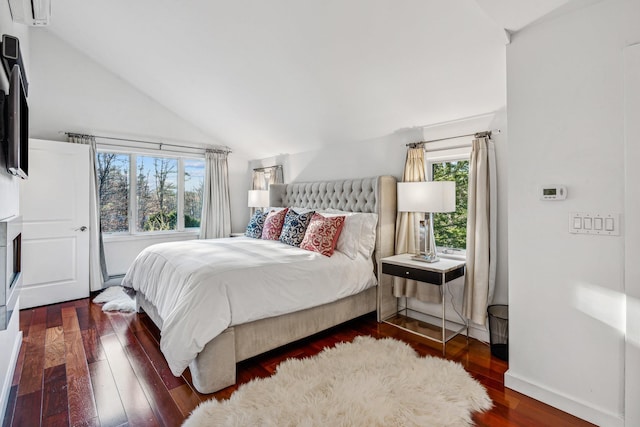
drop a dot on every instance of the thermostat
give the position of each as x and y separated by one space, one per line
553 192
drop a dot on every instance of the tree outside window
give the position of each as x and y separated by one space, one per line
193 191
450 228
113 191
157 191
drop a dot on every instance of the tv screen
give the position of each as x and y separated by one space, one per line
17 134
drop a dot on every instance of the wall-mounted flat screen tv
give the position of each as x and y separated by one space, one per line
17 126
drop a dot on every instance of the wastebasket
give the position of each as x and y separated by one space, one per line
499 330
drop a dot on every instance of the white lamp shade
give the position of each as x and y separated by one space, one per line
258 198
431 196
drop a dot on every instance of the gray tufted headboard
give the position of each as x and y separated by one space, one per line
369 195
352 195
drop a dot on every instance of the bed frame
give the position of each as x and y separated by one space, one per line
215 366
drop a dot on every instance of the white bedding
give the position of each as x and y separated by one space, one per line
201 287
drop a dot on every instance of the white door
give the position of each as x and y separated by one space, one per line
54 204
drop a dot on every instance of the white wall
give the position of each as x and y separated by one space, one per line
565 109
10 338
71 92
386 156
632 235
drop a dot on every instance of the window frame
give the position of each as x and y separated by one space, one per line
441 155
182 189
132 211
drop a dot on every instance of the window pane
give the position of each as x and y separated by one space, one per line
156 184
193 190
113 189
450 229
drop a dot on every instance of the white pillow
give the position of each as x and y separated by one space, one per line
296 209
300 210
358 234
368 234
349 235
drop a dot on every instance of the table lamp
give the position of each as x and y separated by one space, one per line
258 199
427 197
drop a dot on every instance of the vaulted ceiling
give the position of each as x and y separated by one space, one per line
285 76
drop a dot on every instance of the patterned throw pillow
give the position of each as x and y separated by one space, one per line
294 227
256 223
273 224
322 234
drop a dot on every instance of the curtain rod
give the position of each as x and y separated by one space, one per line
267 168
483 134
161 144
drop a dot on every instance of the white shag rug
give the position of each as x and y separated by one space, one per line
115 298
365 383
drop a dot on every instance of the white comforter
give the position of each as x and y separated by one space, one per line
201 287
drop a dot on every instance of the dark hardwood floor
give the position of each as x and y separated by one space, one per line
79 366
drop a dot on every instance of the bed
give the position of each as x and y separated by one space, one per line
212 348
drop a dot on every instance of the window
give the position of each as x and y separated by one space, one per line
450 229
165 194
193 190
157 193
113 190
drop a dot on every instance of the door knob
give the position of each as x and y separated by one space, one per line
83 228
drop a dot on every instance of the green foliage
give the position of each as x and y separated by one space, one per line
451 228
161 221
191 222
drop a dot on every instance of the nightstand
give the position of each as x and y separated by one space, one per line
438 273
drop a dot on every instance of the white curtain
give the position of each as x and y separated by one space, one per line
407 233
97 263
480 275
263 177
216 211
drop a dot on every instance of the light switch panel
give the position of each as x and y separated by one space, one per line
594 223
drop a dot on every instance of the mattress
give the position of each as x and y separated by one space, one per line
202 287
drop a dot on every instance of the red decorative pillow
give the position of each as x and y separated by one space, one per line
273 224
322 234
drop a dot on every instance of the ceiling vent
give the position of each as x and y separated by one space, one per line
36 13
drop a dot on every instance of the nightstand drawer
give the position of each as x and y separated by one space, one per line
421 275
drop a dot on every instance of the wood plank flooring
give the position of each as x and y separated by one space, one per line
79 366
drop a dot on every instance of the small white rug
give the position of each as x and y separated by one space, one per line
365 383
115 298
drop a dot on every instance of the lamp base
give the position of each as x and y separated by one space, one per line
427 241
425 258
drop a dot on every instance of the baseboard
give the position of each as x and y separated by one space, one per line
6 386
479 332
584 410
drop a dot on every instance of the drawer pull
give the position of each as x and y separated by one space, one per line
406 272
